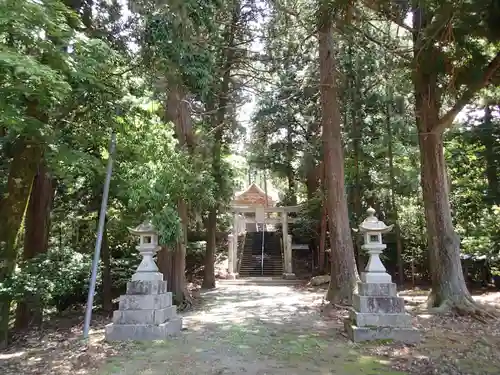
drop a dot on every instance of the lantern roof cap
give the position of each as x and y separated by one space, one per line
373 224
145 228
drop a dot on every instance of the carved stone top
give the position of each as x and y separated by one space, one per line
373 224
145 228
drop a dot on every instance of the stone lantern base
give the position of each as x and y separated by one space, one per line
145 313
379 314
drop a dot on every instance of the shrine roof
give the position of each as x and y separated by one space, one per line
253 195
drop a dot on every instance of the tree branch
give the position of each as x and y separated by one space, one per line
398 53
375 6
447 120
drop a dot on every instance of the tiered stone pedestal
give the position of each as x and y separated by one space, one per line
379 314
145 313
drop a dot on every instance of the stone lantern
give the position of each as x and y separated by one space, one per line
378 313
145 312
372 230
148 246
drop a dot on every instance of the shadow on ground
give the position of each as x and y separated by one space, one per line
251 330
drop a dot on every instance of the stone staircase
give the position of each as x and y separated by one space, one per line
261 281
250 265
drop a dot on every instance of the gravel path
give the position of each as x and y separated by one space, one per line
251 329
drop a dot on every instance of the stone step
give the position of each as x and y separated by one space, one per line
380 320
406 335
147 287
144 316
371 289
261 281
145 302
143 332
254 266
374 304
257 267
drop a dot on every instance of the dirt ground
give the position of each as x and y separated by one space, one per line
251 329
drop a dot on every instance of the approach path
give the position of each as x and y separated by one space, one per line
272 328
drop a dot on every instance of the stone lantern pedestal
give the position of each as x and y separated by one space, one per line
145 312
378 314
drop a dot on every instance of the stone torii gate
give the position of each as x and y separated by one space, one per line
253 208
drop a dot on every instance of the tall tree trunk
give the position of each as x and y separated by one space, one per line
344 275
322 240
209 269
179 287
322 229
178 111
211 223
172 263
218 123
23 168
290 173
37 228
165 260
312 185
448 283
449 290
358 156
36 241
392 184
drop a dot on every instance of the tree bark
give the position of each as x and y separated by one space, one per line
211 224
344 274
322 240
358 156
449 291
392 184
36 241
290 173
448 284
312 186
218 123
172 264
179 287
178 112
209 269
27 156
166 264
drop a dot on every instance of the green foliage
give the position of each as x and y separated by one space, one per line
58 278
46 63
172 42
308 221
471 152
168 224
